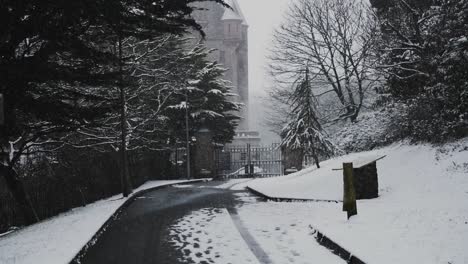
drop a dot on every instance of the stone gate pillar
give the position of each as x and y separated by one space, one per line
292 158
204 154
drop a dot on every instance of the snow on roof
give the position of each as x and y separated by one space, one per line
362 161
235 13
230 15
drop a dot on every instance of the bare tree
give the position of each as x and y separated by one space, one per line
335 39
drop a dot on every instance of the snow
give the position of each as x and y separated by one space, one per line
284 233
373 128
209 234
60 238
359 162
235 184
215 91
181 105
241 172
310 183
232 14
421 215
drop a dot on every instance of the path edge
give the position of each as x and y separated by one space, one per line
77 258
335 248
285 199
321 238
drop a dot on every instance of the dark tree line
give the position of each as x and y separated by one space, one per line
100 74
424 53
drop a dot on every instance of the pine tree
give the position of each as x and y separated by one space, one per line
210 101
58 58
305 131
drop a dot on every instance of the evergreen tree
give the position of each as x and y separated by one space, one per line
161 73
305 131
210 102
58 58
423 55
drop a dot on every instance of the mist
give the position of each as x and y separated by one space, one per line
263 16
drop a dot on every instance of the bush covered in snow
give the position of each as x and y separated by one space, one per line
424 55
372 129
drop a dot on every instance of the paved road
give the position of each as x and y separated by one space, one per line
140 234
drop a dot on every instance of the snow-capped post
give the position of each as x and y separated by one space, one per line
2 115
349 194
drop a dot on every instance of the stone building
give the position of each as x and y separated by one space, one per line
227 33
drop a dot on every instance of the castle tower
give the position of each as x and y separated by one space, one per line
227 32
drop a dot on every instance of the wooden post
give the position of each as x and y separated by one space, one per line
349 194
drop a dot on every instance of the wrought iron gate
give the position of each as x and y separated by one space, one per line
249 161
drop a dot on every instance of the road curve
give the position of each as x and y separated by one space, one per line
140 234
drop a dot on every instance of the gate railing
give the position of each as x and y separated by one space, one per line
249 161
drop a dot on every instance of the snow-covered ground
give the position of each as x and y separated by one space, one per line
209 236
59 239
421 215
213 236
284 233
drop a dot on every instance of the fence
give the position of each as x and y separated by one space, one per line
76 180
248 161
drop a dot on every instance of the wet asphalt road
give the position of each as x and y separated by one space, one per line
141 233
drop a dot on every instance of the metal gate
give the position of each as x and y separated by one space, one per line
249 161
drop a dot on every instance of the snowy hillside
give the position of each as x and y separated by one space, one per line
421 215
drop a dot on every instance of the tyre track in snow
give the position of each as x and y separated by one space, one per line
253 245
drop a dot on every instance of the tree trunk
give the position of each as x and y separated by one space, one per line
317 161
187 136
316 158
124 172
16 187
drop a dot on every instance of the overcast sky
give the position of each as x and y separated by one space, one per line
263 16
